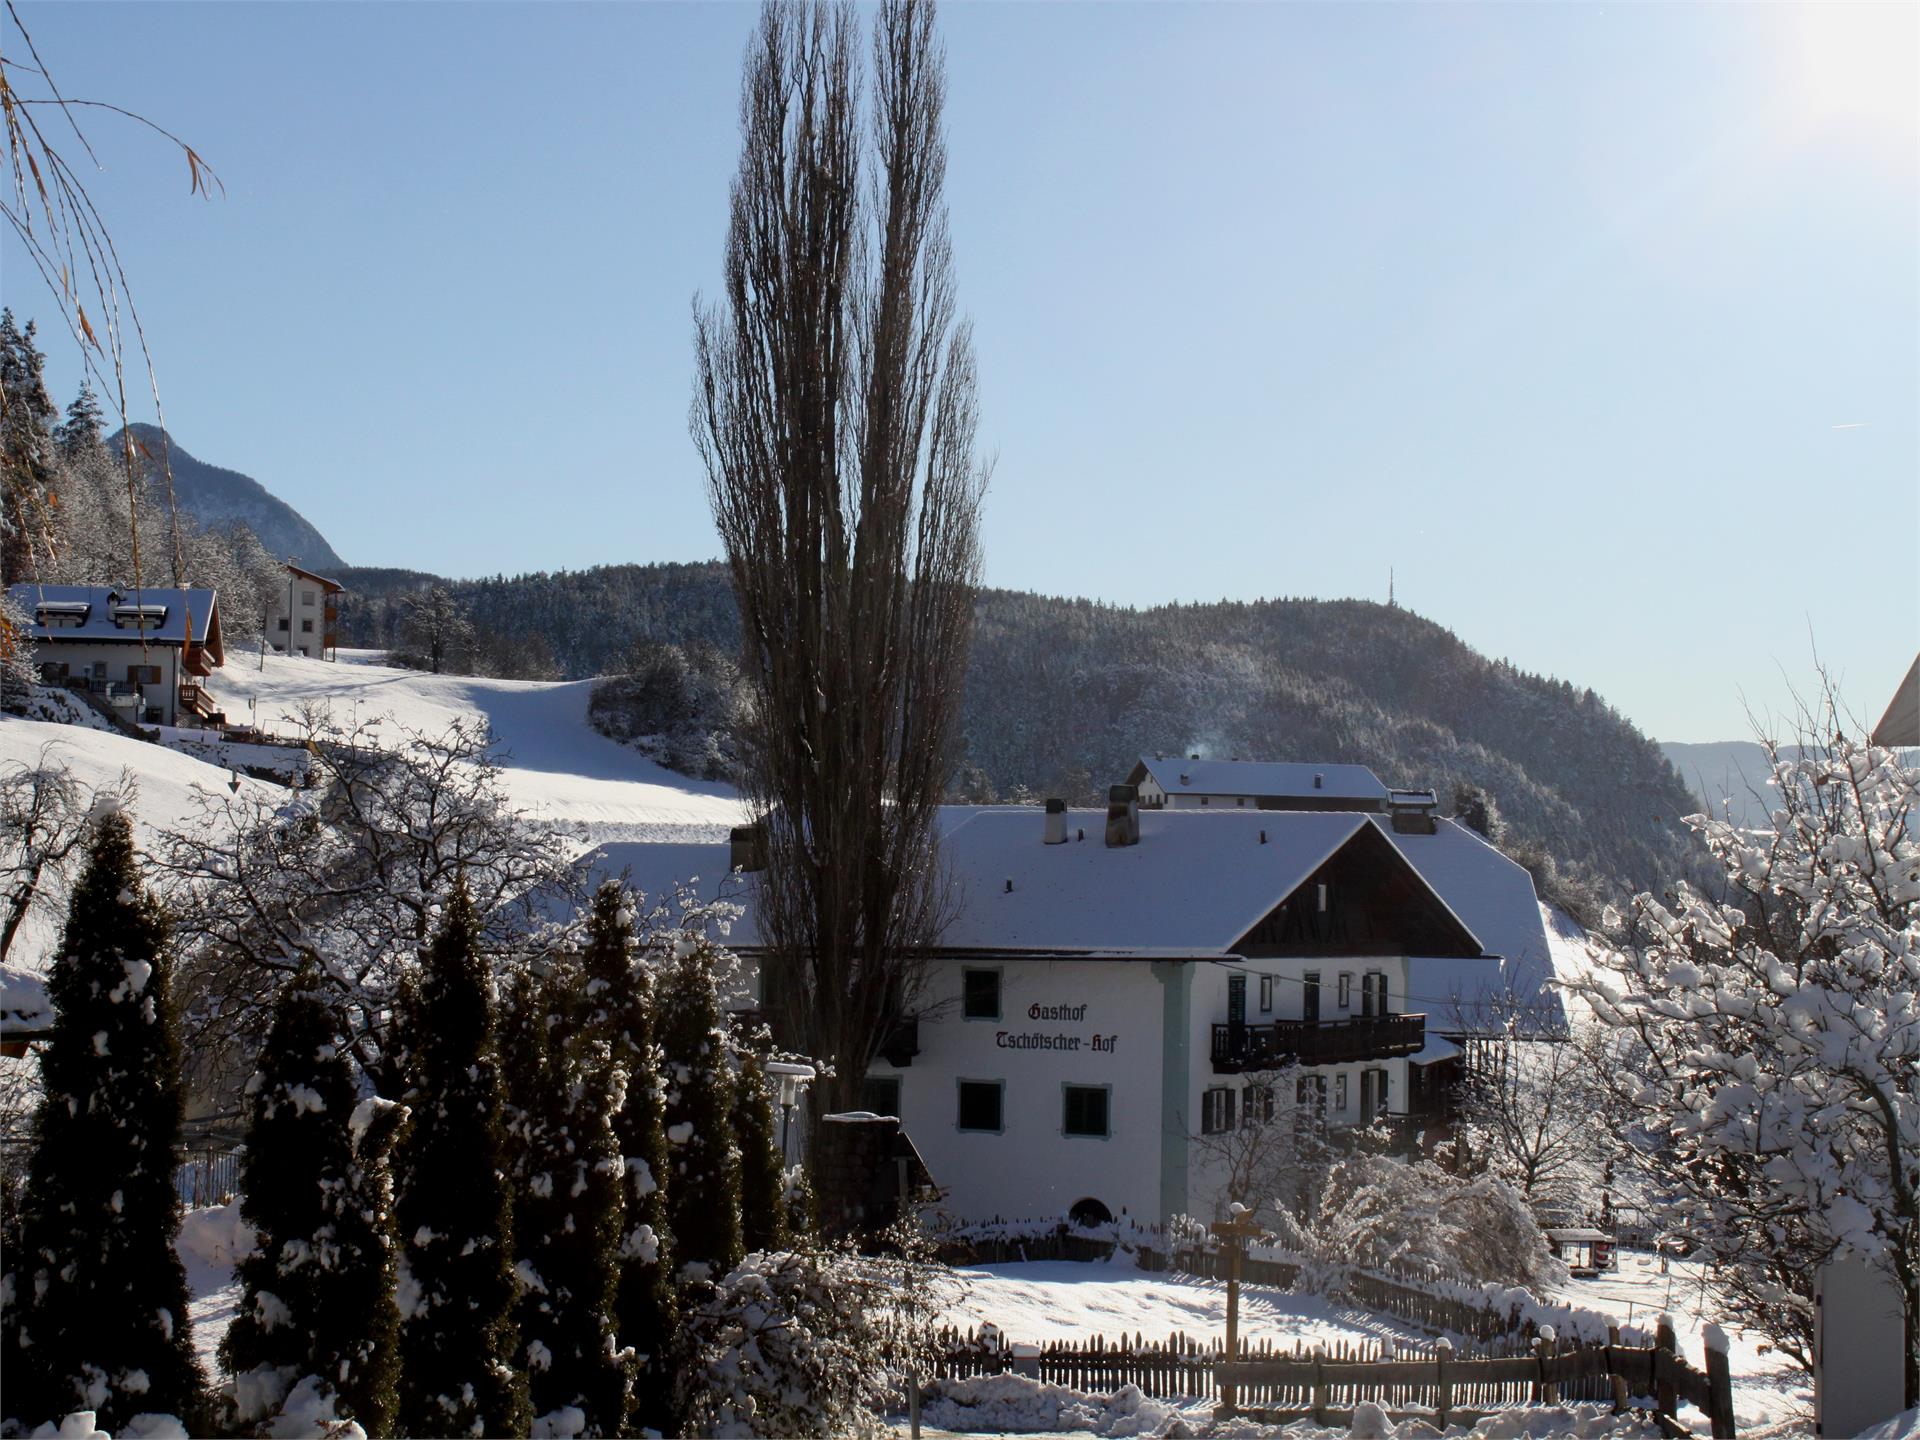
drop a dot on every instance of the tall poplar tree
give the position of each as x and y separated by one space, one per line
835 409
102 1319
456 1287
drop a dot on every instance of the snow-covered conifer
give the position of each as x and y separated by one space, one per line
763 1171
618 991
317 1304
456 1287
703 1164
102 1297
564 1091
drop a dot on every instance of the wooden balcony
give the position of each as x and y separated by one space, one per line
1315 1042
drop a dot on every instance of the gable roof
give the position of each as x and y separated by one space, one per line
1197 882
1178 775
330 584
1900 726
175 610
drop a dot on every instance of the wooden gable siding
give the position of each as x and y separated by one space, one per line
1376 905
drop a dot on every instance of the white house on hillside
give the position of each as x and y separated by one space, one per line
1175 782
305 616
139 653
1117 985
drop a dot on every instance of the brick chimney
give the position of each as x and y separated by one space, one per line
1123 815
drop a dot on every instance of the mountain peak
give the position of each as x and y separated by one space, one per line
214 495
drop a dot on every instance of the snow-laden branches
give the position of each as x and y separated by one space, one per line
1771 1041
350 874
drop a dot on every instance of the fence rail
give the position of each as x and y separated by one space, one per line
208 1177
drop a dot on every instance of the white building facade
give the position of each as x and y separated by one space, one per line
140 655
1097 1011
306 615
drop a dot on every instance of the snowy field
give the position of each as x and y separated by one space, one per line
555 762
1048 1300
1062 1300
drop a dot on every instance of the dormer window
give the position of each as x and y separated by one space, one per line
62 614
139 617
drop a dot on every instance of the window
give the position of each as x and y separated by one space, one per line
307 597
306 627
1239 799
1373 993
1216 1110
1340 1093
1085 1110
1206 799
980 995
1346 990
1257 1105
1266 994
980 1105
880 1094
283 622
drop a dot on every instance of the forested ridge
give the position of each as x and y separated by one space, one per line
1063 695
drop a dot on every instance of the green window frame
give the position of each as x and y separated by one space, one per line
973 993
1086 1111
976 1090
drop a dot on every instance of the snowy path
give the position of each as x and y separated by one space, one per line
554 761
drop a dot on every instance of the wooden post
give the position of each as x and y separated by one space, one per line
1665 1344
1233 1235
913 1404
1543 1346
1443 1384
1319 1385
1613 1371
1719 1384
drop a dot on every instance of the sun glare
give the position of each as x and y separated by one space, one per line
1855 66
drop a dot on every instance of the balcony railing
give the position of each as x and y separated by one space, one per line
1315 1042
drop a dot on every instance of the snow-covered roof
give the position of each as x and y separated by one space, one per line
118 613
1178 775
327 581
1195 884
1495 899
25 1009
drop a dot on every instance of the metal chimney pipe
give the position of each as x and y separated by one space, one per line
1056 833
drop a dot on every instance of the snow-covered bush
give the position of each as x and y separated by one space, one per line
1768 1047
1378 1212
809 1342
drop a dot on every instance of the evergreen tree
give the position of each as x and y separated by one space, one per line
85 428
763 1171
102 1324
620 1005
26 453
318 1287
564 1092
703 1164
456 1287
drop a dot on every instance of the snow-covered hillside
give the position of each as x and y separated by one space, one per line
555 762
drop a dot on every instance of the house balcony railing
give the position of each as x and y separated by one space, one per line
1315 1042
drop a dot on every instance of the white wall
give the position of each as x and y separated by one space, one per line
1031 1169
79 658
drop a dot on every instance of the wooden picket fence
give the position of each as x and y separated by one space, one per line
1276 1385
1325 1386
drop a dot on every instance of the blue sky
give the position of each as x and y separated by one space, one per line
1554 309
